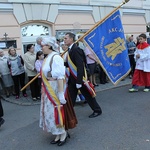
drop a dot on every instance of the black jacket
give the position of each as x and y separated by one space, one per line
78 58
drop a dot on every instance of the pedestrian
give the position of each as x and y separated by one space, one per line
75 81
64 48
16 65
29 59
6 78
131 49
102 76
148 38
91 63
37 46
38 65
1 113
141 75
53 99
80 43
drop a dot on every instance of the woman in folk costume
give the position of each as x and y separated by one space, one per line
56 114
141 75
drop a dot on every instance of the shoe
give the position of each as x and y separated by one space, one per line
95 114
1 121
54 142
102 82
95 84
106 81
130 77
60 143
14 94
34 99
146 90
25 95
85 102
17 97
7 95
38 98
133 90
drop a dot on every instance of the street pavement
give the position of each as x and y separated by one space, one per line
124 124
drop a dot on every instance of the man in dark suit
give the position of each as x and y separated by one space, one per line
77 57
1 113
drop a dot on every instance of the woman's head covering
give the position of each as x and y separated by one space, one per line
51 41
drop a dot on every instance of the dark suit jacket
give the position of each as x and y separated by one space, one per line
77 56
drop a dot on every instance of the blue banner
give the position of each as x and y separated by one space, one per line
108 42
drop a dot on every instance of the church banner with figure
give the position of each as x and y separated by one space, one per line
108 43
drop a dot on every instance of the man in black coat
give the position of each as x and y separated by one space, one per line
77 57
1 113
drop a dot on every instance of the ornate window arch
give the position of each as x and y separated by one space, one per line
29 33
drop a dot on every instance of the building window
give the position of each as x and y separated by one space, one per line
34 30
31 31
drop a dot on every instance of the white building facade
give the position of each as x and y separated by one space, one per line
22 21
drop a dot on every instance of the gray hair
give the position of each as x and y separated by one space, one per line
39 39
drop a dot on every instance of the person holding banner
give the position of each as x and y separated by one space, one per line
54 115
76 79
141 75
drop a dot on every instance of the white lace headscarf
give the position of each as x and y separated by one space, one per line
51 41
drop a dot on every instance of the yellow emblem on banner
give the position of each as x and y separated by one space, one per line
115 48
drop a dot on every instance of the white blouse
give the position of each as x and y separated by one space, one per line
58 69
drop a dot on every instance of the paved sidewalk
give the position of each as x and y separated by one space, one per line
28 100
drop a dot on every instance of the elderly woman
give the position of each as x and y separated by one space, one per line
53 103
6 78
16 65
37 46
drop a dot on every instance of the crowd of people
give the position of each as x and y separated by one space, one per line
61 76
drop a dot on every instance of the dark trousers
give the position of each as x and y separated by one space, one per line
39 83
34 87
132 64
1 109
19 80
102 76
90 100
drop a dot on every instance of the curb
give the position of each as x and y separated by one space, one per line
29 102
114 87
